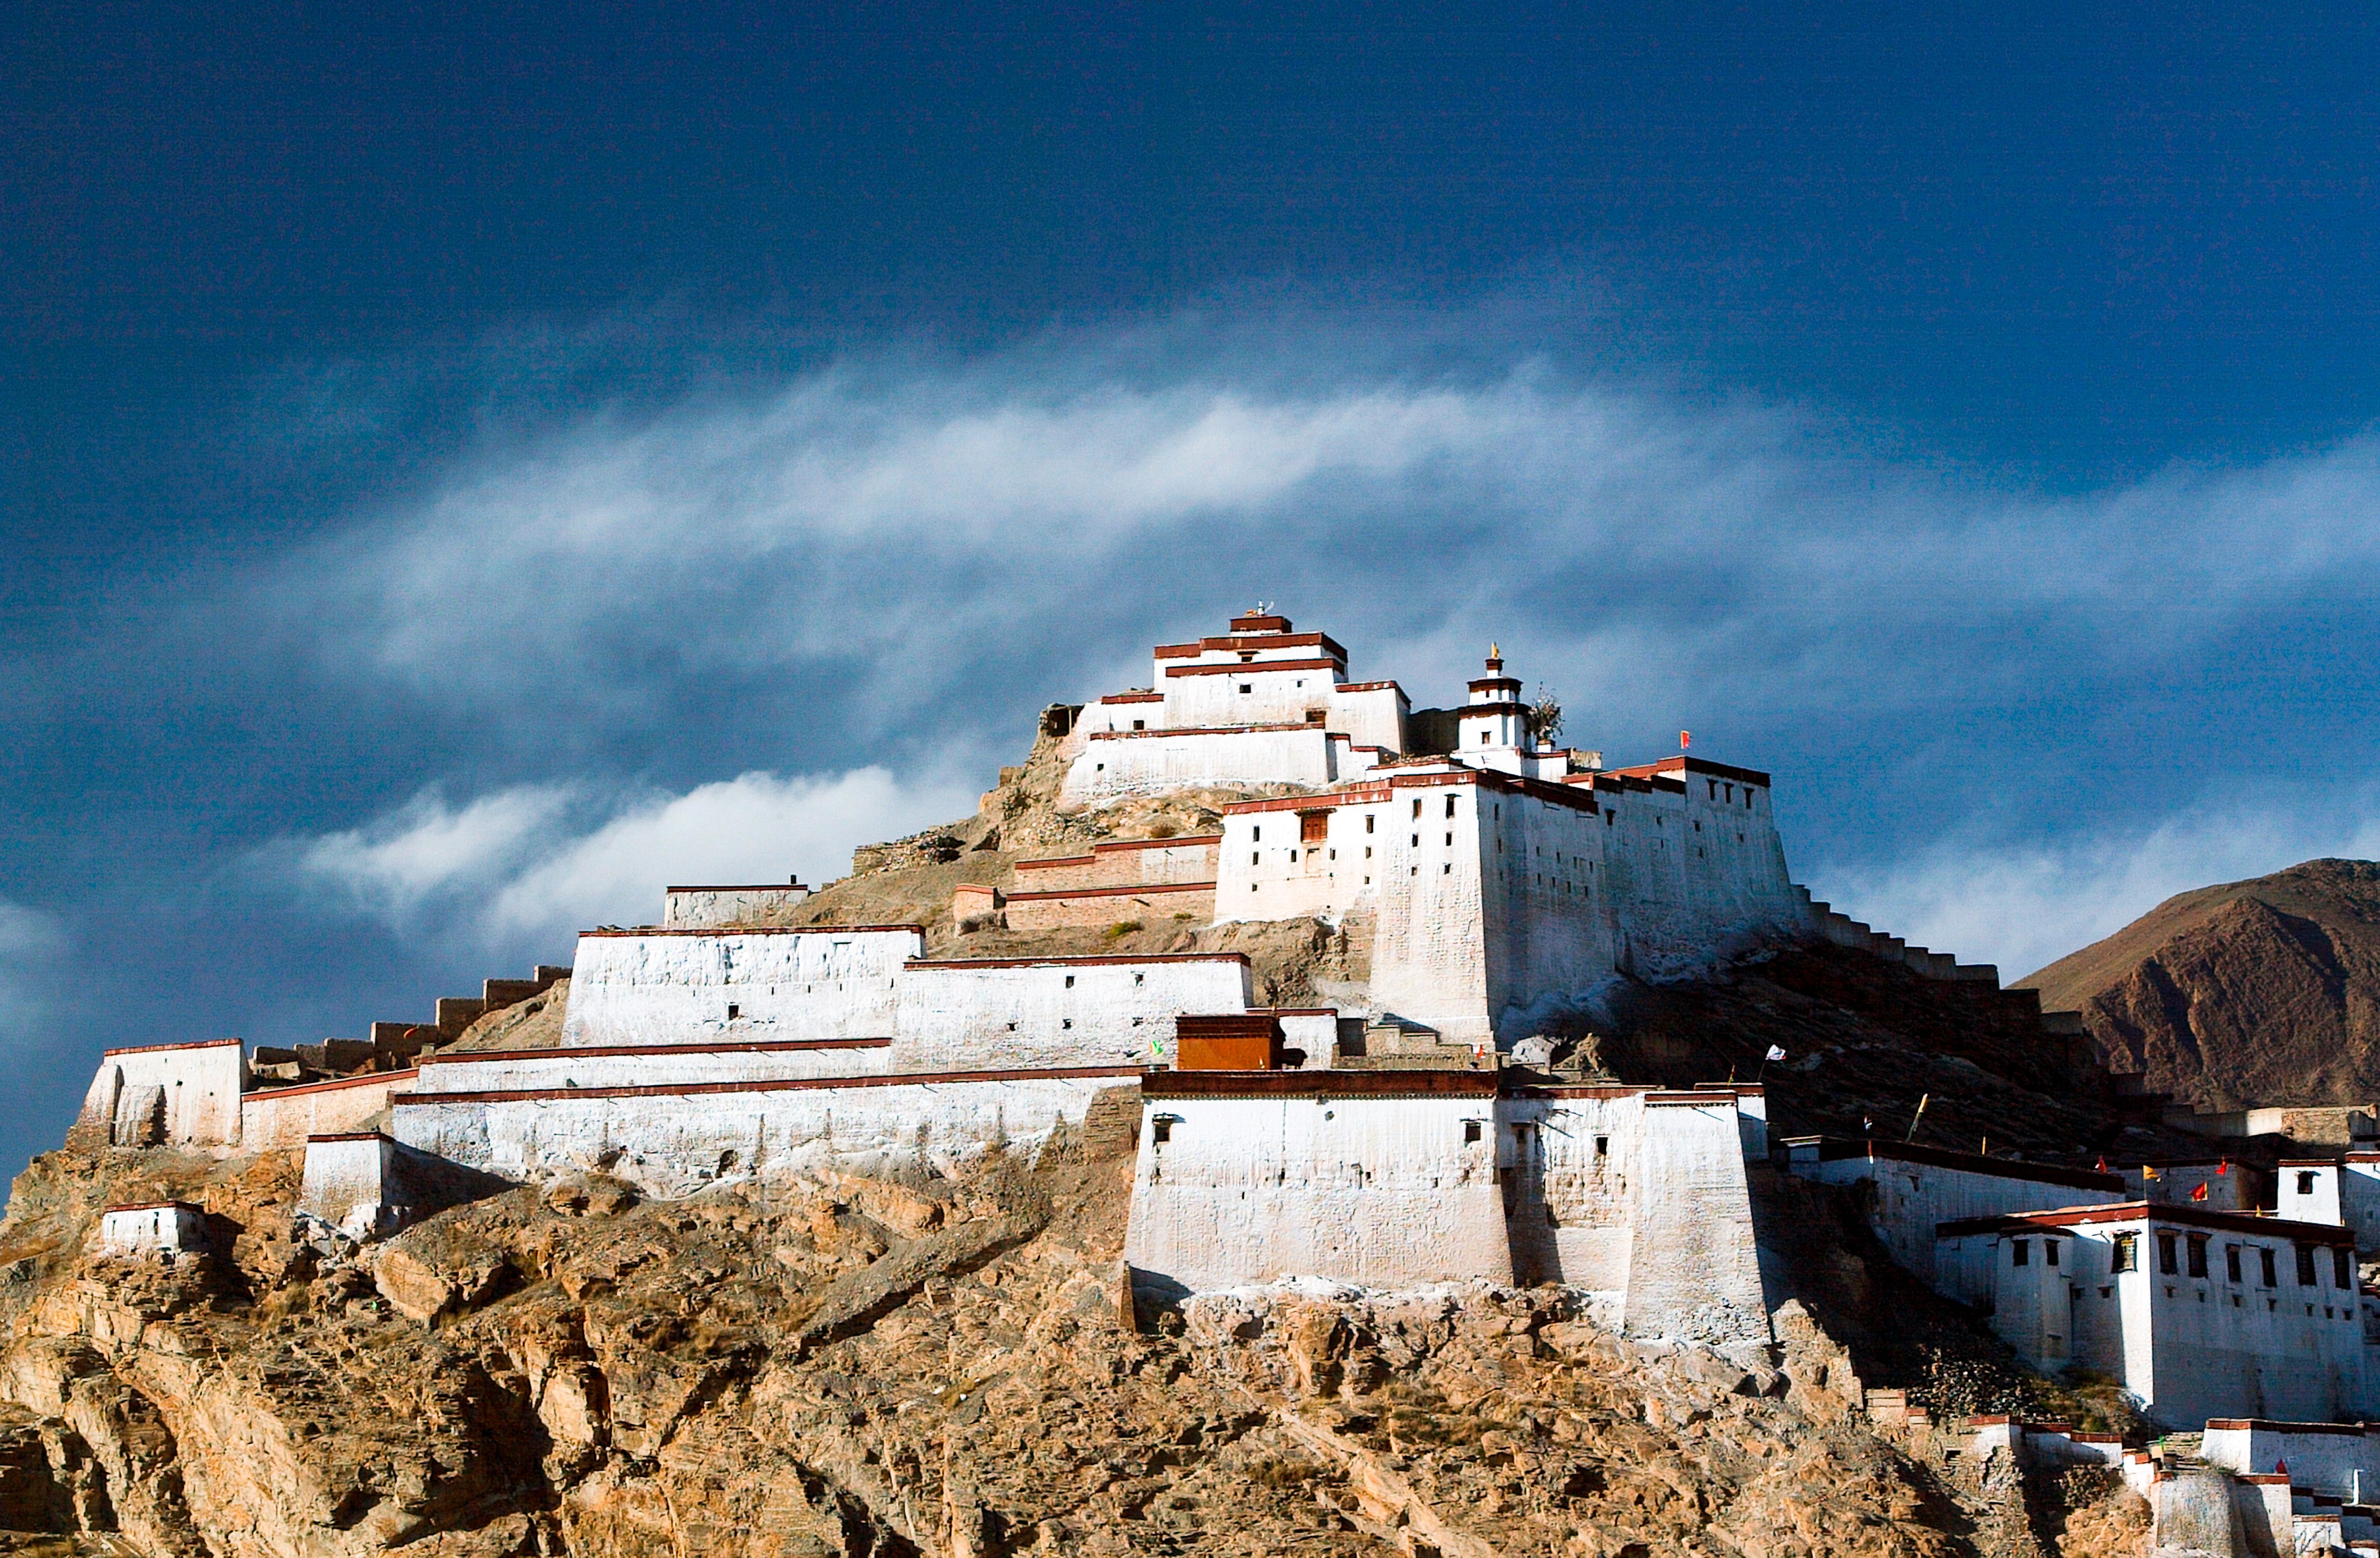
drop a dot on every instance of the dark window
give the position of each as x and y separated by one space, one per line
1245 688
1160 1130
1450 806
2305 1183
1256 834
1314 716
2265 1268
1070 981
2197 1255
733 1011
2305 1267
2166 1254
1470 1130
2342 1268
2020 1252
2049 1252
2231 1261
1140 724
1416 806
1368 821
2127 1254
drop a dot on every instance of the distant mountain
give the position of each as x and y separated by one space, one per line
2249 993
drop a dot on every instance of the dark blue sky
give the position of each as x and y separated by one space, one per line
453 468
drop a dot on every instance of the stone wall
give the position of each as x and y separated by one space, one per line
186 1094
281 1118
672 1140
633 1065
700 908
1002 1014
1193 901
1316 1176
665 987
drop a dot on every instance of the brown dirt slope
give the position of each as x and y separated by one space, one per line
2264 991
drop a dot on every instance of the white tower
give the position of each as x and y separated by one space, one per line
1495 723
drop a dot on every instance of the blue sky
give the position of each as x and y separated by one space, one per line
462 473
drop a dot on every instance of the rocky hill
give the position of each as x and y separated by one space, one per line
2264 991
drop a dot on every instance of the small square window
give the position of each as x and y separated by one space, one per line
2305 1183
734 1011
1470 1131
2126 1256
1245 688
1161 1130
1070 981
1140 724
1603 1147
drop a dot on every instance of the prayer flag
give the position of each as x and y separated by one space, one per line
1685 739
1776 1052
2148 1173
2198 1191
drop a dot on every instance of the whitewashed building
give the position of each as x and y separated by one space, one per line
2198 1314
164 1229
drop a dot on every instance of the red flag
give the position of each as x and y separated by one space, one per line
2223 1167
2281 1469
1685 739
2198 1192
2103 1165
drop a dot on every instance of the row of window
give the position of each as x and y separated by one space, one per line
2175 1250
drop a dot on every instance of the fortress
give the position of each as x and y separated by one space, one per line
1414 1129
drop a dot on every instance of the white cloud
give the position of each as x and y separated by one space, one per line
931 524
2025 907
524 866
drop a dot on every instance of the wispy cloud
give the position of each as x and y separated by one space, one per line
2027 907
523 867
904 548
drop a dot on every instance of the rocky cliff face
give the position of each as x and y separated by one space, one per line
2251 993
862 1367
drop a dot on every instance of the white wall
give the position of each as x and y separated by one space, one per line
672 1143
998 1015
200 1085
675 987
281 1118
1162 761
1384 1192
2345 1196
170 1229
2323 1459
1693 1268
2191 1348
1911 1198
345 1182
512 1070
696 908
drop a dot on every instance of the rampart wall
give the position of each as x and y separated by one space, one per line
664 987
158 1094
673 1140
637 1065
281 1118
1012 1014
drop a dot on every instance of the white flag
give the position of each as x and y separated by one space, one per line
1776 1052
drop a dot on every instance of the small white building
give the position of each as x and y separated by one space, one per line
158 1228
2343 1192
675 987
2198 1314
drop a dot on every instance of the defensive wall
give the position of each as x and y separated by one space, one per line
633 1065
168 1094
672 1139
1398 1178
704 909
667 987
1193 901
1006 1013
282 1118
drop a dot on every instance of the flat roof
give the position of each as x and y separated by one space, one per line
1838 1148
2144 1211
1318 1086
